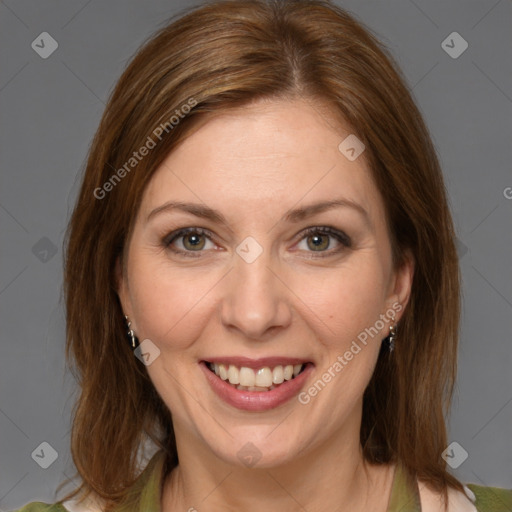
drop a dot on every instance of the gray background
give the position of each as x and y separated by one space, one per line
50 109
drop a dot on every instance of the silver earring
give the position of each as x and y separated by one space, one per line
131 335
392 338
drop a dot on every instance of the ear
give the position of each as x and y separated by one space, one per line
401 284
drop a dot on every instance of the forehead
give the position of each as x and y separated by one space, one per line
272 153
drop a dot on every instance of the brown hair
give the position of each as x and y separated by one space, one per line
228 54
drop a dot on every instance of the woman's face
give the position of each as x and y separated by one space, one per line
286 262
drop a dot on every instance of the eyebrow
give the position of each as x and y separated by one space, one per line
294 215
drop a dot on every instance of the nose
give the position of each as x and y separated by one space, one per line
256 299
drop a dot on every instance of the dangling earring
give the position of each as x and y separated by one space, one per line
131 335
392 338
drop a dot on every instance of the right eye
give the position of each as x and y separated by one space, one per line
187 241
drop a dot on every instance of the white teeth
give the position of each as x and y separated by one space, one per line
257 388
262 379
233 375
278 375
247 376
223 373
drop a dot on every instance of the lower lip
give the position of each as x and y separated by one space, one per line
256 400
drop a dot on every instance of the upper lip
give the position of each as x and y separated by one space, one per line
255 364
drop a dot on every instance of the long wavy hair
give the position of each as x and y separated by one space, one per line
223 55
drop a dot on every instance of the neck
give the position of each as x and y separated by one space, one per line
333 473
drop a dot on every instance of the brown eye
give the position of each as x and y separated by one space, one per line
189 241
193 241
318 242
324 240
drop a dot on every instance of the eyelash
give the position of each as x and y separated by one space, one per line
341 237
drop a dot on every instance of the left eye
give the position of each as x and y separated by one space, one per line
320 239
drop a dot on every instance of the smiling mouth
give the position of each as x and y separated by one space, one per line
261 379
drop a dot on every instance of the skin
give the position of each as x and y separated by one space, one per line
253 165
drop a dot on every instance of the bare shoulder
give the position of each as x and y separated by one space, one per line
90 504
457 501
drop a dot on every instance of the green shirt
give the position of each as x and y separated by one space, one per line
404 497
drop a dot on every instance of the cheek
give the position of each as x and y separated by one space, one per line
344 310
346 300
170 305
